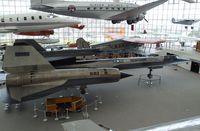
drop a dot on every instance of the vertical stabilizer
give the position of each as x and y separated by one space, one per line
173 20
82 44
29 42
20 59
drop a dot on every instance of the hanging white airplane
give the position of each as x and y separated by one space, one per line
35 24
113 11
186 22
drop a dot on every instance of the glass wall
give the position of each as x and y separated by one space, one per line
159 21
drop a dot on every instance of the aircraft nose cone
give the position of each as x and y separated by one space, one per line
125 75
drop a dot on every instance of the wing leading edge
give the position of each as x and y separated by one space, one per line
136 11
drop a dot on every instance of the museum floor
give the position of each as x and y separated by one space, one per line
125 105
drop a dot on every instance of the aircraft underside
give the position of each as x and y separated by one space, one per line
104 15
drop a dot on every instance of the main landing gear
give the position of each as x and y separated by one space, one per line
149 79
82 89
150 76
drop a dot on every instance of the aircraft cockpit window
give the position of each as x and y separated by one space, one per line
32 17
2 20
40 17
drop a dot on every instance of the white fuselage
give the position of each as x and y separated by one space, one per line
113 11
31 22
185 22
97 10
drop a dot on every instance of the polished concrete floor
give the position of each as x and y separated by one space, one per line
125 105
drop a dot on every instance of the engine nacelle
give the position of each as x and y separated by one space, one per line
137 19
140 17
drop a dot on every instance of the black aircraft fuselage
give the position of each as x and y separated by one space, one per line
59 57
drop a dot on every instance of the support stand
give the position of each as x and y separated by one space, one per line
96 105
150 76
100 100
67 114
45 117
56 119
35 111
149 79
85 113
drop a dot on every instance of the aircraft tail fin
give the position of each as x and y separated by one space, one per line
29 42
173 20
82 44
21 59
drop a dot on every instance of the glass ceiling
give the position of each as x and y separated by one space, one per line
159 21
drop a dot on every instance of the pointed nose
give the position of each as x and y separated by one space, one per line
125 75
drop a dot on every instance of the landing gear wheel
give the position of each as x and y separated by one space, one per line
150 76
83 92
82 89
129 22
114 22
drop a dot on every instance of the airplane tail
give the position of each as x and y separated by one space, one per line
29 42
82 44
173 20
24 59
